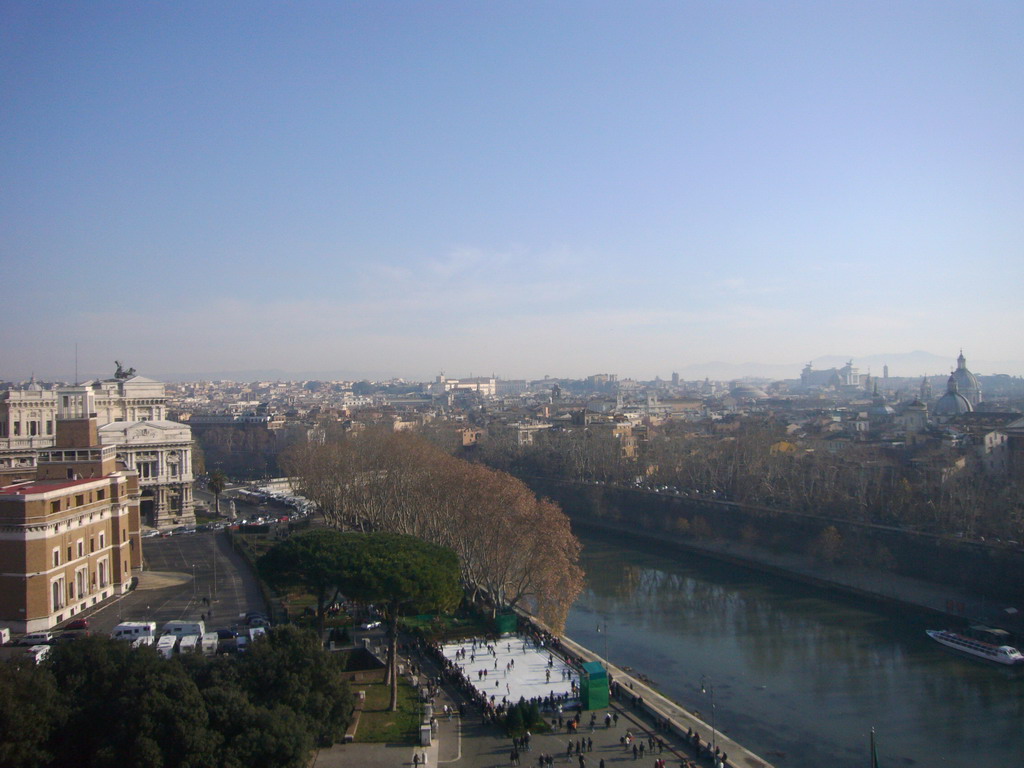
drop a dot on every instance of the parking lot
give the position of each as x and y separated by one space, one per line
186 577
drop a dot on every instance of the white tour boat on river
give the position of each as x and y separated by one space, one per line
973 645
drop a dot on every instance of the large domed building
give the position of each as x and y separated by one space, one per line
966 382
953 403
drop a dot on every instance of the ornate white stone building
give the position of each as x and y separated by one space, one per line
131 413
161 452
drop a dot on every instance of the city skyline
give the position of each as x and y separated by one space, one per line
913 365
527 189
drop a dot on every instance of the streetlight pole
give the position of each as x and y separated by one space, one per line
193 581
604 630
707 687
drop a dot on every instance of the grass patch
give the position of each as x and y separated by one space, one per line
377 725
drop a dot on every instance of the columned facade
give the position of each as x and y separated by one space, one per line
161 453
132 415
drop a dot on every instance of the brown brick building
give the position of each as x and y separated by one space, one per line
70 538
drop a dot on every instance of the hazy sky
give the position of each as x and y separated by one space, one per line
522 188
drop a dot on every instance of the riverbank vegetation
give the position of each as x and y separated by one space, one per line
755 462
513 548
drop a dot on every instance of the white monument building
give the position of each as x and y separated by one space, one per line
131 413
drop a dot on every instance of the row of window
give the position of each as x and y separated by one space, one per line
61 593
57 505
79 547
31 428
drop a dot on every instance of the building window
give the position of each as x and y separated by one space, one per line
81 547
54 507
17 429
57 594
102 539
56 557
101 494
92 545
69 553
49 427
79 499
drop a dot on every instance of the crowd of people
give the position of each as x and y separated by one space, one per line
494 707
475 685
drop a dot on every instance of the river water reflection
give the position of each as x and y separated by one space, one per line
799 675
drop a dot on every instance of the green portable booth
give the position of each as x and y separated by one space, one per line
594 686
505 623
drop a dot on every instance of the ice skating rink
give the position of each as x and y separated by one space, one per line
515 667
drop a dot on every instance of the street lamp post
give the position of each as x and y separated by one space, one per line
603 629
707 687
193 581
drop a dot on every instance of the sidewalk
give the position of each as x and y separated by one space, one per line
470 743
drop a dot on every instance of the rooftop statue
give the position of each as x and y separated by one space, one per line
121 373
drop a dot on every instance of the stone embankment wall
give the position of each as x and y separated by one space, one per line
943 574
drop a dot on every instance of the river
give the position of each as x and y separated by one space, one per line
799 675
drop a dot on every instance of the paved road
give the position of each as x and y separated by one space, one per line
180 571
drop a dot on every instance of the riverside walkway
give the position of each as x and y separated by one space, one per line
469 742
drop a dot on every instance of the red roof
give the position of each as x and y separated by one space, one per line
43 486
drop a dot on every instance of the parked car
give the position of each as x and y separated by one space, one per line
36 638
82 623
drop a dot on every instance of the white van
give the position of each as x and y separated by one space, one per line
165 645
188 644
138 642
241 643
209 644
133 630
255 632
36 638
179 628
5 635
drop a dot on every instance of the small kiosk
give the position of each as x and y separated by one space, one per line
594 686
506 623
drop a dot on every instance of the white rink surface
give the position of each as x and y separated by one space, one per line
525 680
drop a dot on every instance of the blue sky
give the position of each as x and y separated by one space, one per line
522 188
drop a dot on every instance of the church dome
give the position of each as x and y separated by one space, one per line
747 392
952 403
966 382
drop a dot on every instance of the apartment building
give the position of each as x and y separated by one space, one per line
70 538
